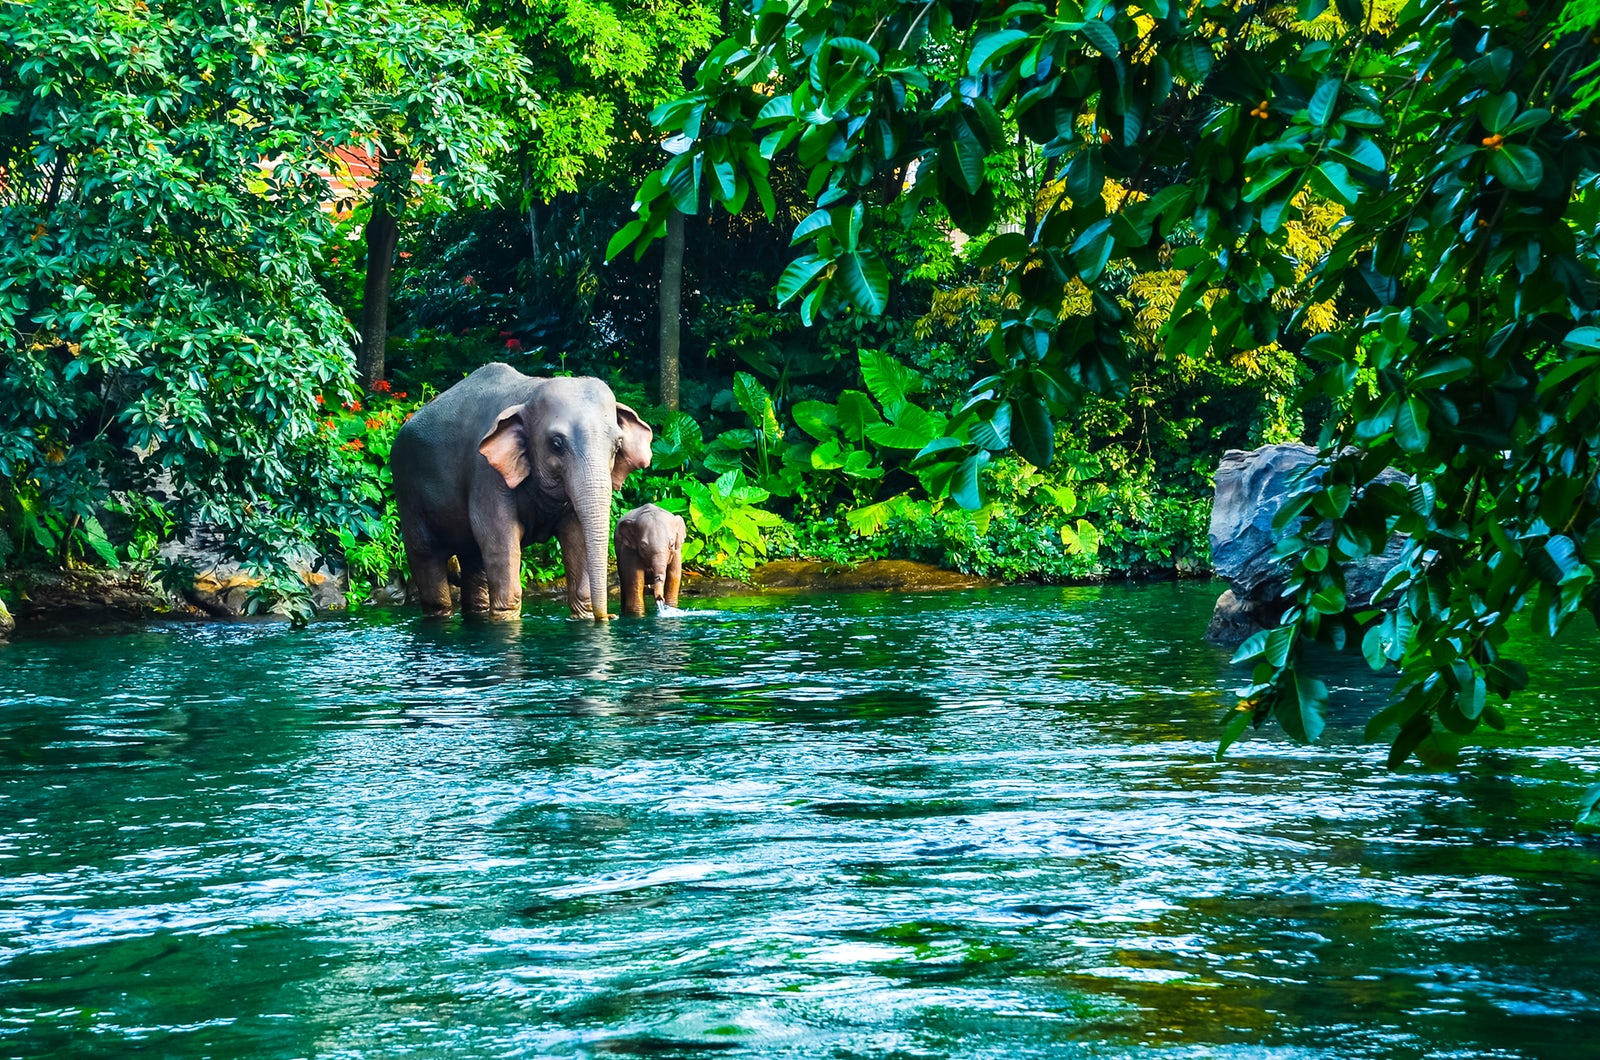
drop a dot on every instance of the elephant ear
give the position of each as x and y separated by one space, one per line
506 447
634 455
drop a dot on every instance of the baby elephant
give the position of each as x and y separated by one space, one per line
649 544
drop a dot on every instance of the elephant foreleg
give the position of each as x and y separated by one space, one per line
674 579
502 570
630 572
573 562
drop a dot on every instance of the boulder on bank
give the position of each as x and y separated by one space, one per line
222 586
72 598
1252 487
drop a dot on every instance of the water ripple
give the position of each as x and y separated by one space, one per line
975 825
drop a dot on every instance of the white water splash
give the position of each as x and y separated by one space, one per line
664 610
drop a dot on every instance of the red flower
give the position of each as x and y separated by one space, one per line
405 254
321 400
401 395
381 386
513 345
353 406
505 335
468 281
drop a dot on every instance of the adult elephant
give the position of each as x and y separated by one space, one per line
502 459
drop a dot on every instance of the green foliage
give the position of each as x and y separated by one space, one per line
1088 516
598 67
163 329
364 433
728 523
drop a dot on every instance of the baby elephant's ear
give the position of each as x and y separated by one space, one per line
635 452
506 447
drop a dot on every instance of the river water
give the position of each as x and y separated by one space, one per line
985 824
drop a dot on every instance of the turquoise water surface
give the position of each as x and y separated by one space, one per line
983 824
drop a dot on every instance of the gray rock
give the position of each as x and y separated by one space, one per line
1235 621
222 586
1252 487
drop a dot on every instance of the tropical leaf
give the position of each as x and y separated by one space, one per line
889 381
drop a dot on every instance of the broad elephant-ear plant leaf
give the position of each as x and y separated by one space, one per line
1458 138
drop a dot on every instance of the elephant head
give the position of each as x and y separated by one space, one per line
574 443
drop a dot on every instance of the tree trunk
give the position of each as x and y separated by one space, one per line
671 306
383 232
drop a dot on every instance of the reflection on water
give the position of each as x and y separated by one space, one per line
975 825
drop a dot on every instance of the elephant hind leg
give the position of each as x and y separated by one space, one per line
431 575
474 585
430 569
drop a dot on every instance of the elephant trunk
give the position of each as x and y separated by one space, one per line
593 509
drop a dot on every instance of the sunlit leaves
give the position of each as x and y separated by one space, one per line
1455 338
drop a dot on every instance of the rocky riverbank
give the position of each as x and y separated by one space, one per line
61 600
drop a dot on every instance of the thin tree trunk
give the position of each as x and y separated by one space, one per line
533 233
671 308
383 232
52 196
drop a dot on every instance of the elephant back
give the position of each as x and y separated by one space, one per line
441 438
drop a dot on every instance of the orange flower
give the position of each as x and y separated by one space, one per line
373 423
353 406
321 400
354 443
381 386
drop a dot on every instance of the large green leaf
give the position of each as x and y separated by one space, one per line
757 404
889 381
913 428
1411 425
817 418
965 488
992 46
865 279
1301 712
1032 430
1102 36
798 273
856 413
1518 168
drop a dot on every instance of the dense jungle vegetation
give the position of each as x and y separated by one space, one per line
988 285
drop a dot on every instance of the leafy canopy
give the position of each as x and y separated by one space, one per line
163 335
1462 345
